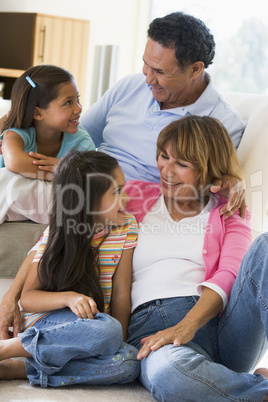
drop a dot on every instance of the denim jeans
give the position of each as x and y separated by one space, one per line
214 366
67 350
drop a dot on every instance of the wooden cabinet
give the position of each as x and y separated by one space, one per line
28 39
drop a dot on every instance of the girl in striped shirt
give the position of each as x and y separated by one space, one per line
78 290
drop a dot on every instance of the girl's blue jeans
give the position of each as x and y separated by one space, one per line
67 350
214 366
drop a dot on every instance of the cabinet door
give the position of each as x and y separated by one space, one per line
63 42
48 40
75 51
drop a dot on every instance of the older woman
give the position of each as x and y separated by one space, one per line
193 320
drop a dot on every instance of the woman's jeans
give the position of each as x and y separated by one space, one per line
67 350
213 367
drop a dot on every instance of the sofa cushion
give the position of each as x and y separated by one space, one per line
16 240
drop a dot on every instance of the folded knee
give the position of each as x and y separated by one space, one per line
170 372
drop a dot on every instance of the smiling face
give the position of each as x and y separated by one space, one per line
171 85
111 210
63 113
179 179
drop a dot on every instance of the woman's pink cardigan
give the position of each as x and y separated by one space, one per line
226 240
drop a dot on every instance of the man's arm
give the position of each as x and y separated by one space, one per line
9 309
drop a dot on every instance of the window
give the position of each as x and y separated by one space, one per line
240 31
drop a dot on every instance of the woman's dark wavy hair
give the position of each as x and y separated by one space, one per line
24 98
188 35
69 262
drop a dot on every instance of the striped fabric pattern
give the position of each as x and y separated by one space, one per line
119 238
30 319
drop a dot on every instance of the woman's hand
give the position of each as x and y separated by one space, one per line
233 189
207 307
81 305
44 162
180 334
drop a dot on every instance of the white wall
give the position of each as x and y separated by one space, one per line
112 22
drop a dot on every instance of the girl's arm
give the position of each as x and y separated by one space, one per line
17 160
120 300
34 299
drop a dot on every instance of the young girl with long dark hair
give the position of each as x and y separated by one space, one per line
41 127
43 121
83 274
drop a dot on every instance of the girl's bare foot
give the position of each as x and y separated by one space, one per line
12 370
264 372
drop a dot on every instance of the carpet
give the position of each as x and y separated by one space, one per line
21 390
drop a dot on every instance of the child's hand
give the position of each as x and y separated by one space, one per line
81 305
44 162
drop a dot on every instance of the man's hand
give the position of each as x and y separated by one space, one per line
10 316
233 189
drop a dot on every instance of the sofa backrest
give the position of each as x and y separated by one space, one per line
253 154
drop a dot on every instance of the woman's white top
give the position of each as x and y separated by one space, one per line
168 261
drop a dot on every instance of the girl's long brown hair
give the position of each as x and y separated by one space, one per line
69 262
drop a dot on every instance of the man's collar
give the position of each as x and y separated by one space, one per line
202 106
